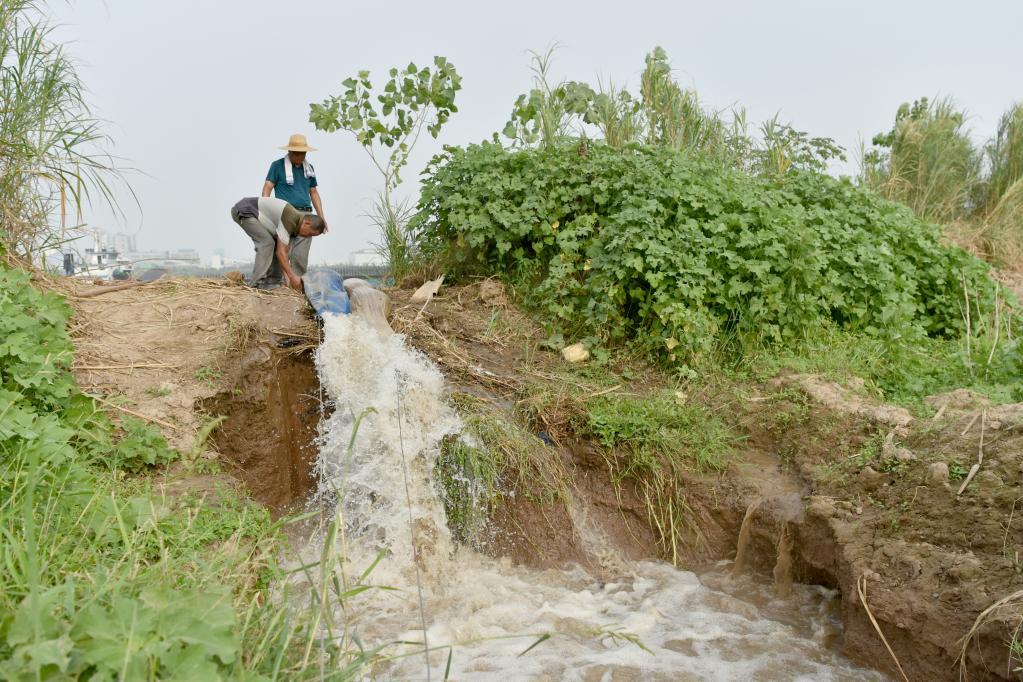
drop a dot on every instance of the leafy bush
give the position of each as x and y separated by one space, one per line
682 254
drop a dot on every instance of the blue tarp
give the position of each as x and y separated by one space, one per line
326 293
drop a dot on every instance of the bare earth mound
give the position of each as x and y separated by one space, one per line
183 353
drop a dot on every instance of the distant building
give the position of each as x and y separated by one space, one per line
122 243
366 257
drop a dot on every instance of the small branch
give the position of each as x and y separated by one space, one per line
969 477
108 290
604 392
980 448
970 425
135 414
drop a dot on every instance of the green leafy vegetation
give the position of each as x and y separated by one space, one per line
105 576
681 254
388 123
492 458
659 431
655 442
208 375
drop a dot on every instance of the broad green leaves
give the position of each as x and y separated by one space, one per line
411 99
683 254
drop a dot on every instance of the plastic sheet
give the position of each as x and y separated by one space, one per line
326 293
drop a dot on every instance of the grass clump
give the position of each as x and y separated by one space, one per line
986 362
659 432
491 459
52 159
106 577
655 441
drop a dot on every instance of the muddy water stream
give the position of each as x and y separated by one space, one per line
652 621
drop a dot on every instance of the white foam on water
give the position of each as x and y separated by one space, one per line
492 611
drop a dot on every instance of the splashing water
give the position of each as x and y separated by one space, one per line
656 623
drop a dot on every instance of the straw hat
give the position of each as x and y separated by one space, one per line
297 143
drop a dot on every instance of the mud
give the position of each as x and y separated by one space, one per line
180 353
269 433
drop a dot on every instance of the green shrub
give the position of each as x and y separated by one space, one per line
685 255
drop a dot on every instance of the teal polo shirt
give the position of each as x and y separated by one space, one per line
298 194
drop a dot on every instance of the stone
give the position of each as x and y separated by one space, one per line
904 455
575 353
937 473
492 293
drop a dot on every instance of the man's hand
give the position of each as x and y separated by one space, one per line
296 282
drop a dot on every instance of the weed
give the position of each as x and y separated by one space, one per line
492 458
957 471
926 161
53 157
207 375
659 430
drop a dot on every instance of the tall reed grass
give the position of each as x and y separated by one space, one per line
51 158
927 161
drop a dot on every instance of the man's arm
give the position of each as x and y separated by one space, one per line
294 281
268 187
314 196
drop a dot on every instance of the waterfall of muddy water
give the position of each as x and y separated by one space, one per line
742 547
492 611
783 566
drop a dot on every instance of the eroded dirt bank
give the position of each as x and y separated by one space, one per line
861 497
860 491
223 370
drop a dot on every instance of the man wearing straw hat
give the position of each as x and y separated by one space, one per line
293 179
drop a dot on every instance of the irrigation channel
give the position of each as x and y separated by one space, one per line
478 615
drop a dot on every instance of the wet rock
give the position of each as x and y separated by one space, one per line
728 604
937 473
682 646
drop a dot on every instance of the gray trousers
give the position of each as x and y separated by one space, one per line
266 268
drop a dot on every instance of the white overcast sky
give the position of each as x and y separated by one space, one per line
199 95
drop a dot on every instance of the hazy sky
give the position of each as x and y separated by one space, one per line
199 95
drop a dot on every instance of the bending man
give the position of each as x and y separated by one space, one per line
272 224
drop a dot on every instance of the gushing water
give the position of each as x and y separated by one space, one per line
655 622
